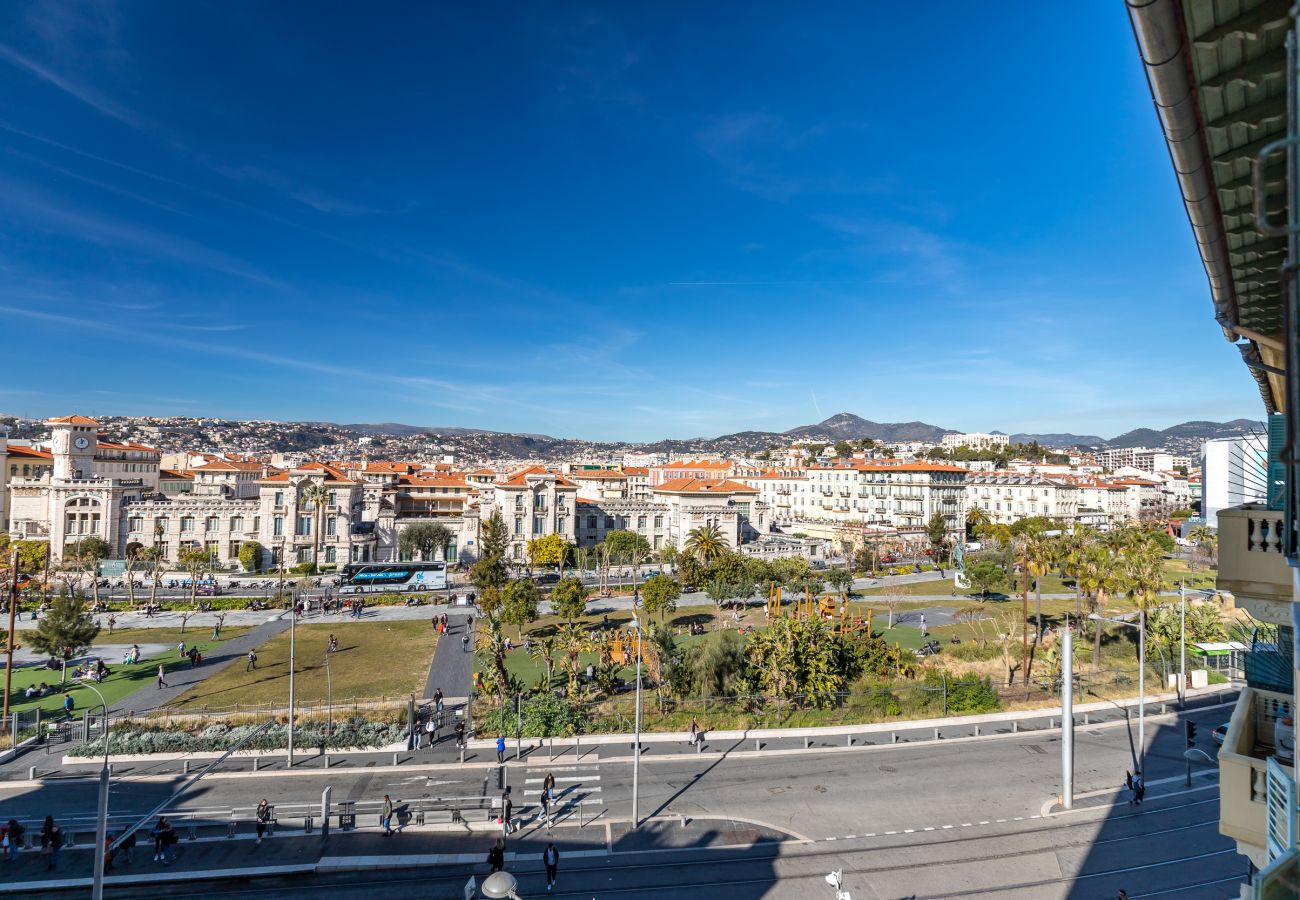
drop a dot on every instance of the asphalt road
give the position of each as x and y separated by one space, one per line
966 818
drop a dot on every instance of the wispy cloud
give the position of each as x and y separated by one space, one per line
49 214
86 94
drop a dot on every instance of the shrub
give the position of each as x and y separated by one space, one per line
544 715
966 693
139 738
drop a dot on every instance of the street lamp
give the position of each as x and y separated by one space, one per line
1140 762
636 752
500 885
293 621
101 820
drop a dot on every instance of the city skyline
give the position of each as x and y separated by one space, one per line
617 225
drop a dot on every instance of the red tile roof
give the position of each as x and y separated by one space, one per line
698 486
24 452
71 420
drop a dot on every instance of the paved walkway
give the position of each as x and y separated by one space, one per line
181 680
452 667
214 855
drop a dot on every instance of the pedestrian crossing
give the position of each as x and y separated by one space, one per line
573 785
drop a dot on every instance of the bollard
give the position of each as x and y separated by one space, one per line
577 747
394 758
977 730
1164 708
31 773
550 754
1051 723
699 744
682 818
893 737
230 826
255 763
936 734
1085 719
848 740
110 769
757 744
462 754
194 832
306 824
327 762
185 767
805 743
1015 726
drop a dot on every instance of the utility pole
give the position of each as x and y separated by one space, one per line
293 621
1182 645
9 650
1067 718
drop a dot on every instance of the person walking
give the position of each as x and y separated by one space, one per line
180 650
68 706
128 847
497 856
507 812
548 786
1128 784
252 661
51 841
263 818
163 838
14 837
417 735
460 735
695 731
216 632
437 699
550 859
544 813
431 728
501 749
1139 788
464 643
108 853
386 817
162 670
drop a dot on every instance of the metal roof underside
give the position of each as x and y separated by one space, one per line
1217 72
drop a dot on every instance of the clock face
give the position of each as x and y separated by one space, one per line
81 443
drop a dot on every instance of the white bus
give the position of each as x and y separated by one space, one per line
381 578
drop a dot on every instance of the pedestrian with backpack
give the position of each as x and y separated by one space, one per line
501 749
51 841
252 661
497 856
386 817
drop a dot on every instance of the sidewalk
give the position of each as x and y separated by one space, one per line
220 857
452 667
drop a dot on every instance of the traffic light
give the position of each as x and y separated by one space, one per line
1191 733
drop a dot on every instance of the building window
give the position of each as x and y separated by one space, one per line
236 524
330 553
334 498
212 524
331 526
609 521
304 526
279 498
591 521
659 521
537 524
160 524
187 523
134 524
519 525
278 526
640 521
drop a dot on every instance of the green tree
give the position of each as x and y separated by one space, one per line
690 570
31 555
250 555
569 599
315 497
493 536
840 579
153 558
519 601
627 548
544 651
659 595
936 532
706 542
194 562
843 449
986 575
65 631
425 540
719 666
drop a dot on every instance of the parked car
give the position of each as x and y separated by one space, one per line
1220 734
546 578
891 558
651 574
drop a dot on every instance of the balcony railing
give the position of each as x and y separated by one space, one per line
1251 562
1243 766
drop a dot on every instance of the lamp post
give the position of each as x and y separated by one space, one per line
1140 759
293 621
101 818
1182 645
636 750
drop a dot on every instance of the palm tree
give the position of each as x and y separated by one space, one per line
152 557
1039 557
976 519
544 652
315 496
706 543
1098 573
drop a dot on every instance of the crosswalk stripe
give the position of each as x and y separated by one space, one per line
558 780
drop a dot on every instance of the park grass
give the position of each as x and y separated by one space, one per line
375 660
124 680
1176 570
1051 584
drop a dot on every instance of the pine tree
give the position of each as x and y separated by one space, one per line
65 631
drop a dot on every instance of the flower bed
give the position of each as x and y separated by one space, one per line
131 738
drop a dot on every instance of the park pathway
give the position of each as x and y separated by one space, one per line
182 678
453 667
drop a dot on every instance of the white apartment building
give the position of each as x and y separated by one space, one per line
975 441
1008 497
1234 471
901 495
534 502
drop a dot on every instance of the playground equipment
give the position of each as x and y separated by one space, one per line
833 608
624 653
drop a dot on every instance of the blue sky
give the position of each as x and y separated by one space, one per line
622 221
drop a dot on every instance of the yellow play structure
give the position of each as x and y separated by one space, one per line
833 608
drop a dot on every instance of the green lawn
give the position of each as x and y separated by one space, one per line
124 680
374 660
1051 584
1200 577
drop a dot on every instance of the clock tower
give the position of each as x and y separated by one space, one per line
74 441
